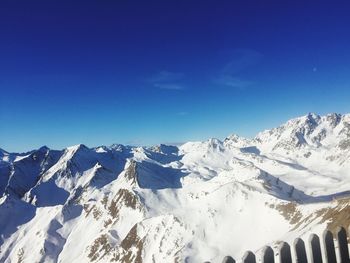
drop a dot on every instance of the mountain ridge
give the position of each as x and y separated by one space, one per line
165 203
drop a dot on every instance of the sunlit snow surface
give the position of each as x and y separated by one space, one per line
196 202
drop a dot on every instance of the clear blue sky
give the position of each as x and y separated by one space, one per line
149 72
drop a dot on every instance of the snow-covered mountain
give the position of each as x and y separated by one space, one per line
191 203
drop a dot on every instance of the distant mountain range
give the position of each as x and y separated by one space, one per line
191 203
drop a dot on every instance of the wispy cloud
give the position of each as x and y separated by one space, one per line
165 76
167 80
168 86
240 60
232 81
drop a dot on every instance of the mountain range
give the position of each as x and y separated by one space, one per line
196 202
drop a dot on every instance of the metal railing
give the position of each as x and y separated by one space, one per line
327 249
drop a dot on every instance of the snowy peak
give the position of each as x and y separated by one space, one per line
129 176
235 140
3 157
307 131
44 149
333 119
3 152
165 149
210 145
77 149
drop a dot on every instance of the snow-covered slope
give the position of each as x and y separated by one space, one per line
196 202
